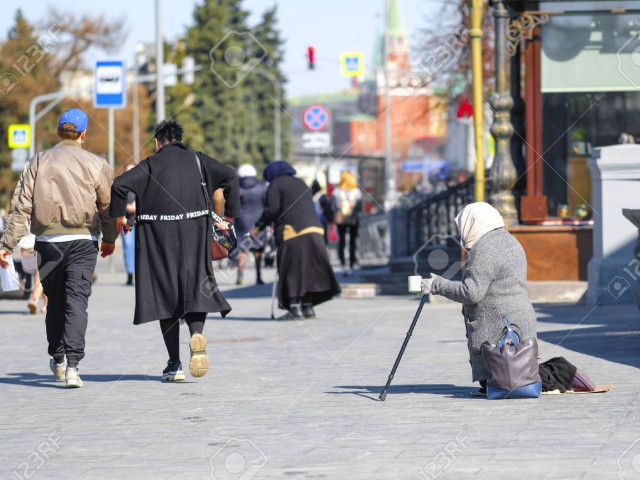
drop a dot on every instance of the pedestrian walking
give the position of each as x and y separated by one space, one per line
252 199
493 286
64 193
323 207
173 269
306 277
129 240
29 263
347 205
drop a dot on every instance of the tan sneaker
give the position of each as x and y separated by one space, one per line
58 369
33 308
72 378
199 363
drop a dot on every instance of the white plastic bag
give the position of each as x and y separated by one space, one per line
30 263
9 278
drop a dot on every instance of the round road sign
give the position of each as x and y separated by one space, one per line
315 118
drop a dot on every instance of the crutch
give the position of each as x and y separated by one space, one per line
383 394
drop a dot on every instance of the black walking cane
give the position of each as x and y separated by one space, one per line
273 295
383 394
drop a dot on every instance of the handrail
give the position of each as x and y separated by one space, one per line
433 219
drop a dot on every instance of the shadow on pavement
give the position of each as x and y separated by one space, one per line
448 390
243 319
253 291
47 381
609 332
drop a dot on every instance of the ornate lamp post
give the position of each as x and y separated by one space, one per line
503 172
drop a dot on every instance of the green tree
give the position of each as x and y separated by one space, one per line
233 106
25 65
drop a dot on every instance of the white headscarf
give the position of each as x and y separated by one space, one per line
247 170
475 220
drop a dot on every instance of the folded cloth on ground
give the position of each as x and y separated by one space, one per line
557 374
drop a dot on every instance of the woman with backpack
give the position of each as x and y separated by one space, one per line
347 204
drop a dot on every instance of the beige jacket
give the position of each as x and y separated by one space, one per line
64 190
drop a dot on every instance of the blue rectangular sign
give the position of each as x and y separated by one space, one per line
412 165
110 84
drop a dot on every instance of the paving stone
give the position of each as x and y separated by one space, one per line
299 399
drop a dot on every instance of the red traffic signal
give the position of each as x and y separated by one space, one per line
311 52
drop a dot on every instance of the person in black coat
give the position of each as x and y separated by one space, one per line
173 270
253 195
306 276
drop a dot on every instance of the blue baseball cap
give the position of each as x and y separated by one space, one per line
75 116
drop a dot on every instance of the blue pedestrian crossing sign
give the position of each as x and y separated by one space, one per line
110 84
352 64
19 136
315 118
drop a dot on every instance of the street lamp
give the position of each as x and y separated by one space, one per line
277 125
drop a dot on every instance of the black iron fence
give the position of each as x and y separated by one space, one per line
434 217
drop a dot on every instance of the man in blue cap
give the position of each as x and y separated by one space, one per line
64 195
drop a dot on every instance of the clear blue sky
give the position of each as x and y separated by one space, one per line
332 26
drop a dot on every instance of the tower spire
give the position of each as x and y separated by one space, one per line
394 20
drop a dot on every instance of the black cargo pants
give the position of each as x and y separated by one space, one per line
66 273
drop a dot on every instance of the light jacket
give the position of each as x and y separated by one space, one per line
65 190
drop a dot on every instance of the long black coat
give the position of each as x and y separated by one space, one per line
303 264
174 273
289 202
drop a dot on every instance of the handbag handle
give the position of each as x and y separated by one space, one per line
508 333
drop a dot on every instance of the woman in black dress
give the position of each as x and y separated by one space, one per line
306 276
173 270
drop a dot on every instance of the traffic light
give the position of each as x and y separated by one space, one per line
312 57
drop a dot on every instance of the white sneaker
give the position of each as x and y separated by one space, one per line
58 369
72 378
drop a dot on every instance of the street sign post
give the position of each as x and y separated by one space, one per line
315 118
19 157
110 84
316 141
170 74
19 136
352 64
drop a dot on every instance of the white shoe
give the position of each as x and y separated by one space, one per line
58 369
72 378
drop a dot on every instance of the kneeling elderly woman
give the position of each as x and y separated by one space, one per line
494 283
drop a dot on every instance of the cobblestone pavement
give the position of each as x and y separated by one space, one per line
299 399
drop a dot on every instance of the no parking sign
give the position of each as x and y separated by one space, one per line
315 118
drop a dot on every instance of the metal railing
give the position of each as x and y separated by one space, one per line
434 217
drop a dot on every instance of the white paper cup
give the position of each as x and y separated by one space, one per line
415 284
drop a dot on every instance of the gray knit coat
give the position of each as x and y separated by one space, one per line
494 285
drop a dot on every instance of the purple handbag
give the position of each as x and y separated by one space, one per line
513 367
